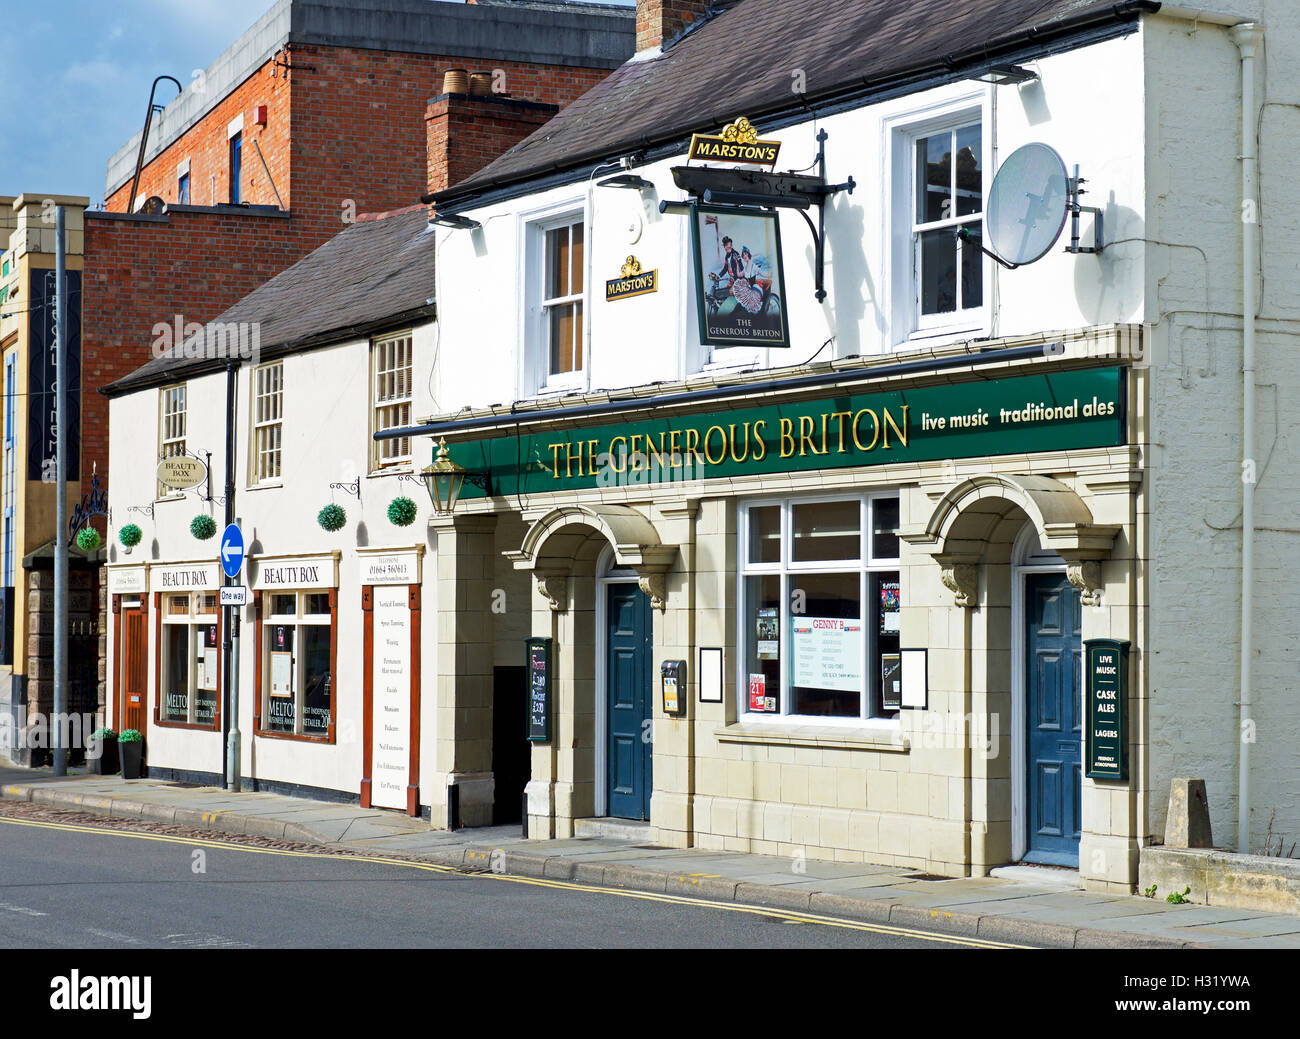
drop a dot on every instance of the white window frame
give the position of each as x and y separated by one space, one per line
172 446
193 622
298 620
865 565
386 411
535 378
901 246
258 426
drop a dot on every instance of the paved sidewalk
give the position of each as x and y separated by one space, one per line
1010 910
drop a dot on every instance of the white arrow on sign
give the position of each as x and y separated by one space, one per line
229 551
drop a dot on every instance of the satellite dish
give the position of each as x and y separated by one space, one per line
1029 201
1028 204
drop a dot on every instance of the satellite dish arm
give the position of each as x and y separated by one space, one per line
964 234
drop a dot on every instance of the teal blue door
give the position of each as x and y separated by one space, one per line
1054 708
628 692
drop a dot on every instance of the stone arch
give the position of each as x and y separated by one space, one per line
977 520
575 534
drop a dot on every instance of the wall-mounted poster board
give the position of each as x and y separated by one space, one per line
538 654
914 669
1107 677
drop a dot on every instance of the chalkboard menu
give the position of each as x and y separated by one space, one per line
1107 676
538 653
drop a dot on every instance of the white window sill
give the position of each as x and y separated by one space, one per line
169 497
885 736
401 469
977 327
265 485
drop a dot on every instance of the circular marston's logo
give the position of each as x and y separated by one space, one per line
181 473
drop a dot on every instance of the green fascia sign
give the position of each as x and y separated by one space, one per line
1054 411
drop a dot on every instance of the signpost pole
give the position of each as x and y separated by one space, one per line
229 722
60 751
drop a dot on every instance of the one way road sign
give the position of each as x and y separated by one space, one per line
232 550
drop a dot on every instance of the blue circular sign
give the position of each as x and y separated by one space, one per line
231 553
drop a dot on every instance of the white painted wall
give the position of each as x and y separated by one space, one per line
1093 119
326 440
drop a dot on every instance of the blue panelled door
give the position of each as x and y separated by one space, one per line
1054 707
628 671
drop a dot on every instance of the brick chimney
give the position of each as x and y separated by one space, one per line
465 132
660 20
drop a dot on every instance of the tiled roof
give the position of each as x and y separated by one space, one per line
744 58
377 271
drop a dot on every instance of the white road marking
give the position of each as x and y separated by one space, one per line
21 909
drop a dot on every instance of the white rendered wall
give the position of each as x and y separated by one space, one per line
326 440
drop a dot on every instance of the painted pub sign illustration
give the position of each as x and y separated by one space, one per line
1106 673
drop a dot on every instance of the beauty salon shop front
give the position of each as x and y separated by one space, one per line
844 613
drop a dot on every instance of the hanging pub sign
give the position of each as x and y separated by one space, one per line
631 281
181 473
1107 677
738 142
538 655
739 279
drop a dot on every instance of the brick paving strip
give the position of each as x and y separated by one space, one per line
992 908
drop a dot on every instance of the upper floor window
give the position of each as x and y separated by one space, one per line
171 426
268 421
183 190
938 172
236 167
562 301
391 378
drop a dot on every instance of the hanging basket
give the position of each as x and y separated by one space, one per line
203 527
88 539
332 518
130 535
401 512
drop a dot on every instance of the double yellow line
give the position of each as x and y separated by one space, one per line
785 915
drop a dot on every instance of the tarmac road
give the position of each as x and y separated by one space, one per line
84 886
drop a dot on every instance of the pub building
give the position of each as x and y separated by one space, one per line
873 494
893 523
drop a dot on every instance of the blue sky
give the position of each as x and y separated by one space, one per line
77 78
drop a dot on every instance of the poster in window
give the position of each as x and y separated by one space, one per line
758 698
282 674
769 638
739 282
891 681
208 669
890 605
827 653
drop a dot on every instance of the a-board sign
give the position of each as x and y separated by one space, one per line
1106 674
538 654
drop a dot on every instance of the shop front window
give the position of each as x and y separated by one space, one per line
298 680
821 595
190 648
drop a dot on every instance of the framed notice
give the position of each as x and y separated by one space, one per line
1107 680
538 654
710 675
739 279
915 679
282 674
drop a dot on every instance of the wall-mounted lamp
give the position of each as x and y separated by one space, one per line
1001 75
625 180
444 480
463 223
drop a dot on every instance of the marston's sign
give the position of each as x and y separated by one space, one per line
738 142
181 473
631 282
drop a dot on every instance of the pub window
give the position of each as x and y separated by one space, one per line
391 381
558 352
298 680
820 601
268 421
171 427
190 648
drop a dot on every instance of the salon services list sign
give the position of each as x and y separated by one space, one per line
391 708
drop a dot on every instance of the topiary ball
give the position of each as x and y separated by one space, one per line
203 527
332 517
401 512
88 539
130 535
